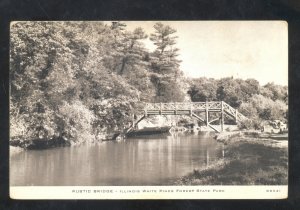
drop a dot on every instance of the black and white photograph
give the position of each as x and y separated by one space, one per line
143 109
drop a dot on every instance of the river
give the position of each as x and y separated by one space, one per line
155 160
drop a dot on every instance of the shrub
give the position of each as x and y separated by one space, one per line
75 122
250 124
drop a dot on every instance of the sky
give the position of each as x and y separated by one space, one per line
238 49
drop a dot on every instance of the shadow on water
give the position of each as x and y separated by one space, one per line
151 160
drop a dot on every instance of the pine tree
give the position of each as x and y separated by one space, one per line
165 65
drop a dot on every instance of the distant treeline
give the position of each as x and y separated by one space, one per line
258 103
82 80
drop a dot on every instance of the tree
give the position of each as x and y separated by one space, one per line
264 108
275 92
129 58
165 65
133 51
203 89
61 85
229 90
127 48
37 50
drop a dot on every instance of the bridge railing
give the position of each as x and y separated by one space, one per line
229 109
167 106
214 105
184 106
233 112
196 106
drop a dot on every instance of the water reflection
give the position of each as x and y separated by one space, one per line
154 160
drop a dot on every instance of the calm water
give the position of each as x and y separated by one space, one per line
155 160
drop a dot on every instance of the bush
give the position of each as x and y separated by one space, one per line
262 108
74 122
250 124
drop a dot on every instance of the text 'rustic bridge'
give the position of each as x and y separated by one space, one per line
192 109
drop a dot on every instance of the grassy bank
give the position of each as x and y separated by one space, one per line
248 161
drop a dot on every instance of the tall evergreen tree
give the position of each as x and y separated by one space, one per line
165 64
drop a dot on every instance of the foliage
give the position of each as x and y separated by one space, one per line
249 124
78 80
275 92
167 76
60 75
258 103
203 89
265 108
74 121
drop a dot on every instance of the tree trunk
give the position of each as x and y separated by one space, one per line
123 66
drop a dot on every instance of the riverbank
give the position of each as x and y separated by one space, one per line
15 150
250 159
37 144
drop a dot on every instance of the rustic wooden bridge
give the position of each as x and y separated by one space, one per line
192 109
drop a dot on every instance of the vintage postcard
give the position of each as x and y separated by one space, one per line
148 110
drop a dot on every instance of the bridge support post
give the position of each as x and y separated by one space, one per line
222 116
206 113
160 108
133 124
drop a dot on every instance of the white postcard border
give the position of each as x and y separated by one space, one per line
149 192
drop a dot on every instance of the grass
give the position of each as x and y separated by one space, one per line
249 161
